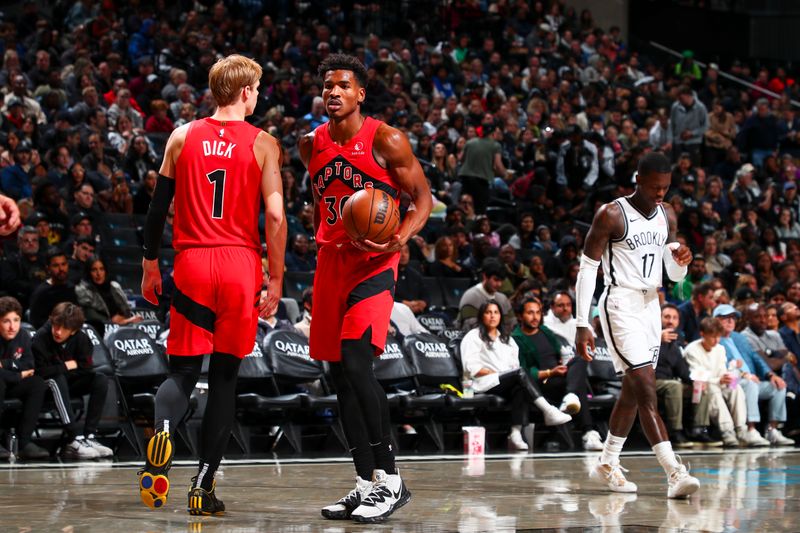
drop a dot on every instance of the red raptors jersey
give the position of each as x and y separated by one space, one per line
217 186
338 171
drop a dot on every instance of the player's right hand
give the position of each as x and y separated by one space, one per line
583 340
268 305
151 280
9 215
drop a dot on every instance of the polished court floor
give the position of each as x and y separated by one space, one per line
740 491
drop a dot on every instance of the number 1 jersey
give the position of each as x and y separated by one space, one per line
217 186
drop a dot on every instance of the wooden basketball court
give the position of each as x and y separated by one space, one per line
741 491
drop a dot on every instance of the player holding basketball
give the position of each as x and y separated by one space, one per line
631 236
217 169
354 281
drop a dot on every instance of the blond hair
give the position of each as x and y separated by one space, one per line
230 75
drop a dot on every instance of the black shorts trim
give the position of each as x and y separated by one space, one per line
198 314
373 286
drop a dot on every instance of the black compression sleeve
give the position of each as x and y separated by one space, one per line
157 216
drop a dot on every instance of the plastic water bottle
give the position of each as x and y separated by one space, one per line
733 372
466 388
13 445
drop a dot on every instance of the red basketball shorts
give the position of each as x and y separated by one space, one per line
215 305
353 291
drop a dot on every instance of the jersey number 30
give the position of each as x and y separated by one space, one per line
217 179
334 214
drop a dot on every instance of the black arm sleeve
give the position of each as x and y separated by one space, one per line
157 216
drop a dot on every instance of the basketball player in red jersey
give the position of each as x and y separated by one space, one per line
217 169
354 281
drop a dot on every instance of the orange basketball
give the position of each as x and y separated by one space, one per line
371 214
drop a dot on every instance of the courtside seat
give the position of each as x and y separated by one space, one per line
433 290
436 323
454 289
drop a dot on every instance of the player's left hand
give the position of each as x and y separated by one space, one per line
268 305
777 382
151 280
392 245
682 255
9 215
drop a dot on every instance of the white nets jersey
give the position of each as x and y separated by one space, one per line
635 260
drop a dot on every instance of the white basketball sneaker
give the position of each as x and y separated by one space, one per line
342 509
388 494
680 483
612 476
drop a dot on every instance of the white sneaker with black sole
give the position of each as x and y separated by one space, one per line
79 449
388 494
342 509
102 451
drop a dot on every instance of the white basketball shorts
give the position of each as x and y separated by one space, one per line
631 320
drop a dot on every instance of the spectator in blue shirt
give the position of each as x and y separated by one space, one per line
758 381
316 117
15 179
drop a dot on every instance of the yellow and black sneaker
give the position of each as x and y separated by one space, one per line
153 480
204 503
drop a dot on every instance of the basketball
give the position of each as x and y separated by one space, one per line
371 214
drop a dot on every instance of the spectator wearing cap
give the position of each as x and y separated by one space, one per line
19 92
688 123
758 380
687 66
482 161
682 291
81 226
770 346
420 56
23 270
16 179
493 273
759 134
745 190
577 166
559 317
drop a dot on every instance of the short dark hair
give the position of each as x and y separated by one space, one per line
671 306
344 62
308 296
9 304
701 289
52 253
654 163
529 300
492 267
68 315
84 239
685 89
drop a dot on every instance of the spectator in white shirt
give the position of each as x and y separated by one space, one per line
559 318
491 359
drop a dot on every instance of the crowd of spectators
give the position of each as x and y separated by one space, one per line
525 116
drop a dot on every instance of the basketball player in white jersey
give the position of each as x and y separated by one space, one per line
633 235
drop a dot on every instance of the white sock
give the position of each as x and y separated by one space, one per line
611 449
516 429
542 404
666 457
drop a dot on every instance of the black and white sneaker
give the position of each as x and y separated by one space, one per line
341 510
388 494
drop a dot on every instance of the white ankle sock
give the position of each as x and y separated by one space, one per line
516 429
542 404
666 457
611 449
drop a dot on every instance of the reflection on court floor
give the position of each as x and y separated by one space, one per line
740 491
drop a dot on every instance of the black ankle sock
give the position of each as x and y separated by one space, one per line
384 456
363 461
205 476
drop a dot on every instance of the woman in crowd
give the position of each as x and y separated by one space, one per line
102 299
491 359
787 227
444 264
